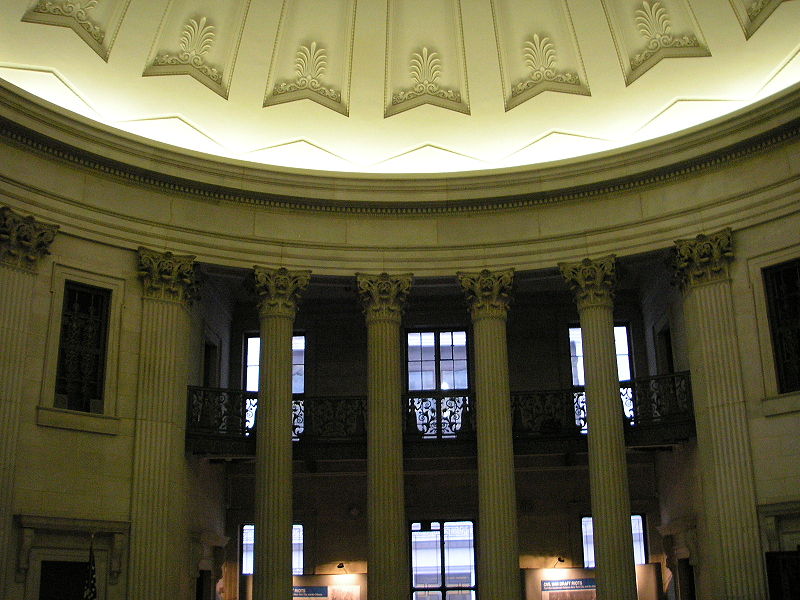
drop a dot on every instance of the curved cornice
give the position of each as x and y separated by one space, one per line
48 130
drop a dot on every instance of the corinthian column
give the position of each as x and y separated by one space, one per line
593 283
498 568
383 297
159 539
23 243
731 558
278 291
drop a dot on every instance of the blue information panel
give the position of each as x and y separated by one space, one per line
558 585
310 591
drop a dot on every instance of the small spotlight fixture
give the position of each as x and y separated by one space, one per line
341 566
558 560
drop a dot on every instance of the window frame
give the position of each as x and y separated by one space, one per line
773 402
645 546
48 415
631 362
247 335
772 324
443 588
302 567
437 331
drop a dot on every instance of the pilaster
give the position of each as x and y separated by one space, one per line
593 283
487 295
159 541
383 297
731 557
24 242
278 291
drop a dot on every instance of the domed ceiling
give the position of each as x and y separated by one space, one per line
400 86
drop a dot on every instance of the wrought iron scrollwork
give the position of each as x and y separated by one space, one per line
437 415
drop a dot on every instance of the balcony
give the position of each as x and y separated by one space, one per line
656 411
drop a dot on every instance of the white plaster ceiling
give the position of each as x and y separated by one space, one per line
400 86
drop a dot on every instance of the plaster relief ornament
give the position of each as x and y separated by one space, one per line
310 66
196 40
487 292
653 23
703 259
76 9
540 58
279 290
383 296
425 69
167 276
592 281
23 240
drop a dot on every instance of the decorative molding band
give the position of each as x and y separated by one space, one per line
279 290
383 296
166 276
592 281
488 293
704 259
47 146
23 240
195 41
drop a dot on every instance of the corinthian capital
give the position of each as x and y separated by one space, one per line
592 281
384 295
166 276
23 240
279 290
487 292
703 259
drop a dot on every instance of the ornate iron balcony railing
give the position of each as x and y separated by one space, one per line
646 403
439 415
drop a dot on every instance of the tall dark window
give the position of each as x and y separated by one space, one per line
437 383
82 347
442 560
782 284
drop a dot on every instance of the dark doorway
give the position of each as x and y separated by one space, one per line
62 580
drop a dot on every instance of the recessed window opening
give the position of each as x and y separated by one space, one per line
639 545
624 372
443 560
248 543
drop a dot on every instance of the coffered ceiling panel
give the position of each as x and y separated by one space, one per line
647 31
199 38
313 54
753 13
537 48
425 61
399 86
95 21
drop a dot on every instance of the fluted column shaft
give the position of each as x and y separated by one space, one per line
159 543
24 242
593 284
383 297
272 572
498 565
731 558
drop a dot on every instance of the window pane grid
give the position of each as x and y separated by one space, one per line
252 361
443 560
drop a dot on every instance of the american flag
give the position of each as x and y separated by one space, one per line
90 583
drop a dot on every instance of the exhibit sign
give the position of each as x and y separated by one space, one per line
569 589
327 592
